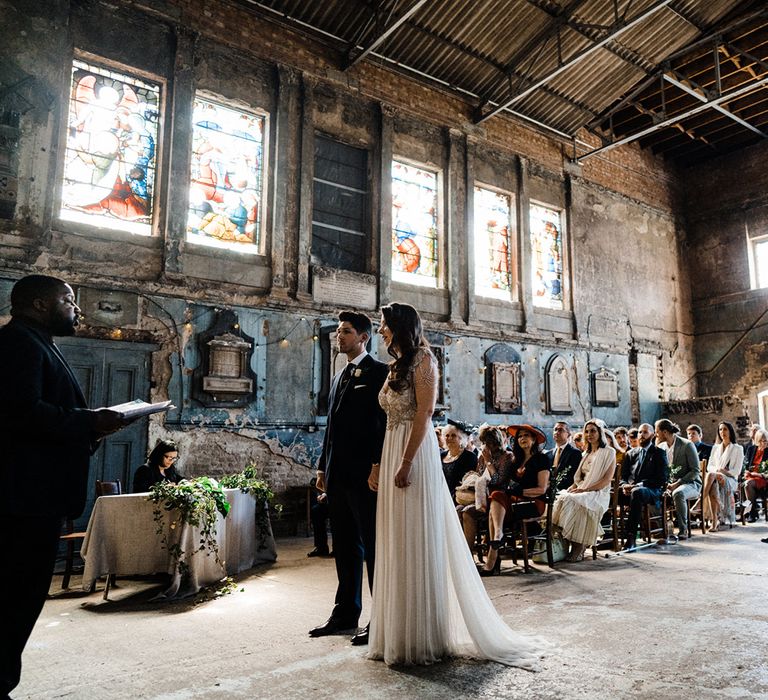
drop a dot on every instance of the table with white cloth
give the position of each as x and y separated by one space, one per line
122 539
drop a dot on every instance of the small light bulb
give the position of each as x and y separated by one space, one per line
284 343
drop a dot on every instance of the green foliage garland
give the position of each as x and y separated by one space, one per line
249 481
196 502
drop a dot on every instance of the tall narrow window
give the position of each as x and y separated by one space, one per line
340 221
547 257
226 187
414 225
493 243
109 161
758 261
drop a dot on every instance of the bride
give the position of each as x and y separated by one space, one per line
428 600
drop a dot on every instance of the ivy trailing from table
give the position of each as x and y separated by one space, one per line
196 502
249 481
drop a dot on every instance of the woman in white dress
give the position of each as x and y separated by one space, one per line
722 478
578 510
428 600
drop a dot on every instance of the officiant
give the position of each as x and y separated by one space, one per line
48 435
160 466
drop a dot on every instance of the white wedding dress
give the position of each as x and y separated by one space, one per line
429 602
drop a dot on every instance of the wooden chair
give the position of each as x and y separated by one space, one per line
540 543
612 537
69 537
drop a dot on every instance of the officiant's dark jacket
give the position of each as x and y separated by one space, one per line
652 473
45 429
356 425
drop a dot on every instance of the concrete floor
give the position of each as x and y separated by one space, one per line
689 619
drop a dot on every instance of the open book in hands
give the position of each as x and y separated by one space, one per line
139 408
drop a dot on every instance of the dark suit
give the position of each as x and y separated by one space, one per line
353 440
570 458
45 433
703 450
647 476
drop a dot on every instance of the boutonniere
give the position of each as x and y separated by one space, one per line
358 373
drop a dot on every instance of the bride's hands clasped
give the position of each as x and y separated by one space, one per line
403 474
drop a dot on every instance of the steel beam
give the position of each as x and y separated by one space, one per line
575 59
353 58
709 104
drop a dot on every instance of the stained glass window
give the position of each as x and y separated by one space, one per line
109 169
414 224
493 243
225 192
547 257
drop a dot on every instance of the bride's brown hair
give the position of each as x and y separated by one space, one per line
404 323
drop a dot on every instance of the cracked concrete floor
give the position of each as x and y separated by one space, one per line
685 619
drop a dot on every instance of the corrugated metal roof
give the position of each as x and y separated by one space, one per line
496 49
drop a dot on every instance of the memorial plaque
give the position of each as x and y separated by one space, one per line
557 387
605 388
506 386
344 289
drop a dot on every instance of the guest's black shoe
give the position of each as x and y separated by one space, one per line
765 539
317 552
332 626
361 638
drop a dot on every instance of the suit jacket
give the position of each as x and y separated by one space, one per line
685 462
652 473
45 427
749 455
570 458
354 435
704 450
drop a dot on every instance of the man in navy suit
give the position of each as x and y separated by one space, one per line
694 433
644 473
47 435
564 458
352 446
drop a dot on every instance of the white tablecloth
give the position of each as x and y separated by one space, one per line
122 539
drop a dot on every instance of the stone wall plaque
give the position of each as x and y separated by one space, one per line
605 388
343 289
557 386
506 386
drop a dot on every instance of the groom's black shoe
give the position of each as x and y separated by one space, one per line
361 638
332 626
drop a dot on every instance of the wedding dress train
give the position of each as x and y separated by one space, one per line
429 602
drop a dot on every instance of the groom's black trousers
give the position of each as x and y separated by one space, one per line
352 510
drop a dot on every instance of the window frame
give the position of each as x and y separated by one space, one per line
513 252
159 203
754 274
564 282
439 279
248 249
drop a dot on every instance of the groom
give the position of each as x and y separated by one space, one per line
352 446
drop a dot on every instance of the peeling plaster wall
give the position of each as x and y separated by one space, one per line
727 202
627 291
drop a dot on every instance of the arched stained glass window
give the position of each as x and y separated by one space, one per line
547 256
226 187
493 243
414 224
109 161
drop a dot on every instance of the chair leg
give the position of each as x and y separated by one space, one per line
110 581
524 541
68 564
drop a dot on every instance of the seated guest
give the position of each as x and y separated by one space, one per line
495 463
695 434
632 436
457 459
621 438
756 469
578 510
522 494
160 466
643 475
578 441
564 458
722 478
684 471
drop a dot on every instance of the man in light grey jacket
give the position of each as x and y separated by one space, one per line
684 471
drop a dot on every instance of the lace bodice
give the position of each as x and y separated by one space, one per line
400 407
